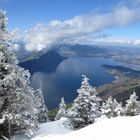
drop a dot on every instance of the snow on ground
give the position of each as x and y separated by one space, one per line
48 130
52 129
120 128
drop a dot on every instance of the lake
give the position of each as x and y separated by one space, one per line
66 79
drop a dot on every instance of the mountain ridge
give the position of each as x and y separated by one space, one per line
51 61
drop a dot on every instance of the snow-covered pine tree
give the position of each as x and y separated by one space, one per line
62 110
111 108
120 110
41 109
133 105
86 106
17 106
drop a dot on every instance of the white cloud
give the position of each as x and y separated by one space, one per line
102 39
136 42
44 36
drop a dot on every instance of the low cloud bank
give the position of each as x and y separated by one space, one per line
45 36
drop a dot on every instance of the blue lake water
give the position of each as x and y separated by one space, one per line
67 78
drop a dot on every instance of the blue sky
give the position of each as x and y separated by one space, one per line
60 14
26 13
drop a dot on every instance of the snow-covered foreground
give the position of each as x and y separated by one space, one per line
120 128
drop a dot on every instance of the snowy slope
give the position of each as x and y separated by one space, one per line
120 128
52 129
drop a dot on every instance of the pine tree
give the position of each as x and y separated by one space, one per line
41 109
17 104
133 106
111 108
120 110
85 107
62 110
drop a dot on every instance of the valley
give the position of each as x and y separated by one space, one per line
59 71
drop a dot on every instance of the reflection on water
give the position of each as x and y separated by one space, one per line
67 78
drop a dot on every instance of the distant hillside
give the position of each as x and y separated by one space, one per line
81 50
121 70
46 62
127 81
121 91
127 54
